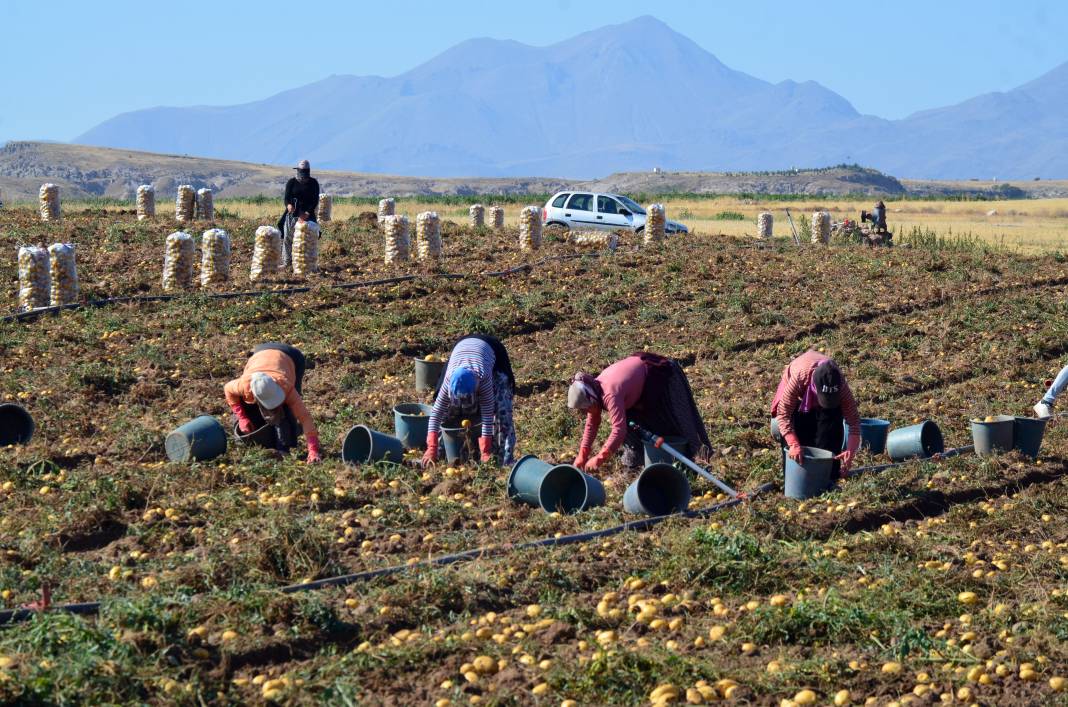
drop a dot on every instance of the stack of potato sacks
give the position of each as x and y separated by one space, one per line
305 248
185 204
427 236
530 228
146 202
35 279
325 209
215 257
386 207
765 222
266 253
205 205
397 244
821 227
64 272
655 221
497 217
178 262
476 216
49 202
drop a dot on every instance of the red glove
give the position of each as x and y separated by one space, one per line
582 458
485 445
595 463
244 424
431 454
846 459
314 455
796 453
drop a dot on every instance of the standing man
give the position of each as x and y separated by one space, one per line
301 200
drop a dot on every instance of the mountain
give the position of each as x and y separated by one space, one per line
624 97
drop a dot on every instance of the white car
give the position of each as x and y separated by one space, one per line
583 210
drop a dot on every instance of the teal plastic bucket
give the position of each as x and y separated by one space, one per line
653 455
16 425
922 440
411 421
365 446
811 477
263 437
460 443
993 437
775 433
873 433
200 439
659 490
1027 434
553 487
428 374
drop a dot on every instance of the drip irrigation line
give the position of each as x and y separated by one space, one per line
13 616
875 469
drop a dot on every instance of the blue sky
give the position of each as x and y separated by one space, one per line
68 65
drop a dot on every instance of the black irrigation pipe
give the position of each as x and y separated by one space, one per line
875 469
34 314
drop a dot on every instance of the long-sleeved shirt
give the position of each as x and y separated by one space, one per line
281 369
622 384
797 394
306 193
478 356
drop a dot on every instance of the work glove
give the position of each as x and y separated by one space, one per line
485 446
595 463
314 454
583 457
431 454
244 424
846 460
796 453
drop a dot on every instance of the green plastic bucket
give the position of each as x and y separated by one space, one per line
16 425
365 446
921 440
993 437
659 490
411 421
655 455
428 374
200 439
811 477
1027 434
553 487
265 436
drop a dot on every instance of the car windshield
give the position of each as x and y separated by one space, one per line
632 206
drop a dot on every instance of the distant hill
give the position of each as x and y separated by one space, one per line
625 97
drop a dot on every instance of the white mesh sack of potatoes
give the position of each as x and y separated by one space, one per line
476 216
396 235
530 228
386 207
655 221
428 235
496 214
178 255
598 239
49 202
305 248
35 278
765 222
214 257
205 205
821 227
266 253
325 210
146 202
185 203
64 272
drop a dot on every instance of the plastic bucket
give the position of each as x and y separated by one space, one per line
1027 433
200 439
460 443
873 433
428 374
364 446
553 487
411 422
659 490
993 437
775 433
263 437
922 440
16 425
811 477
653 455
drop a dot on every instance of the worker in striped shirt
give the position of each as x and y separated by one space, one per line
810 404
478 385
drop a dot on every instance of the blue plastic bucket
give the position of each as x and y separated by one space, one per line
428 374
265 436
200 439
16 425
553 487
1027 434
659 490
411 421
994 437
655 455
461 443
365 446
811 477
922 440
873 432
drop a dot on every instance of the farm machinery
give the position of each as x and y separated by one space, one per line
870 230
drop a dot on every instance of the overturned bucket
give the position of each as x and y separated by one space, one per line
365 446
200 439
16 425
659 490
411 422
993 437
553 487
809 478
1027 434
265 436
428 374
656 455
922 440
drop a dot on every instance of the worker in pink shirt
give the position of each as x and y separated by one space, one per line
812 400
645 388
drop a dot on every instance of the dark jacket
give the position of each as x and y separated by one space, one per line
503 364
306 193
